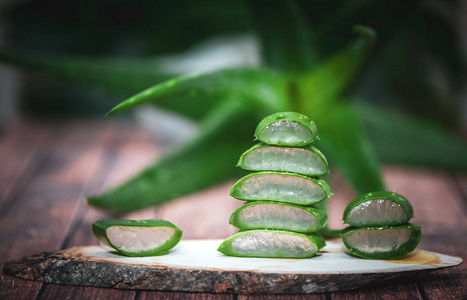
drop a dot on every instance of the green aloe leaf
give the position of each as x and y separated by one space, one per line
401 139
342 137
262 88
286 38
208 159
347 146
119 76
343 14
324 84
190 96
223 135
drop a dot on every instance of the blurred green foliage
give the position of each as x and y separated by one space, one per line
311 63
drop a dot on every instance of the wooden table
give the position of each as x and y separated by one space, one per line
47 168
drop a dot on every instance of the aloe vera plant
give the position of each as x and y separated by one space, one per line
138 237
304 70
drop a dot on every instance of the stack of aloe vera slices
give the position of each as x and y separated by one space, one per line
380 227
278 219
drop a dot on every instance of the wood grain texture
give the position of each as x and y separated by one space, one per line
197 266
48 168
109 151
52 191
62 268
320 296
18 147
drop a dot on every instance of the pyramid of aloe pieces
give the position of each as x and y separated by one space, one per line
279 219
380 227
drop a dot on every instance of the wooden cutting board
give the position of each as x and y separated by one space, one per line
196 266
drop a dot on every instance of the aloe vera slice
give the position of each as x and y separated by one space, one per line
272 243
286 129
281 187
270 215
306 160
138 237
382 242
378 209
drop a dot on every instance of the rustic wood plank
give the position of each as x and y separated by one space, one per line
150 295
321 296
438 209
395 290
110 152
461 180
451 283
17 289
19 135
447 284
18 146
460 184
64 292
11 288
39 217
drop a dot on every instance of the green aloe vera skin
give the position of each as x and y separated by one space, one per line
286 129
391 242
138 237
280 216
306 160
378 209
281 187
272 244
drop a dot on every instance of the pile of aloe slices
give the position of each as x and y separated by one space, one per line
380 227
279 218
